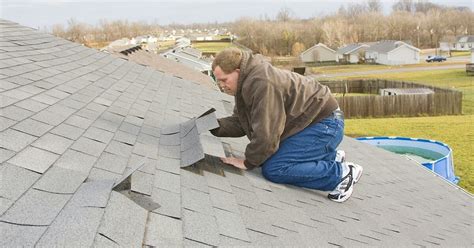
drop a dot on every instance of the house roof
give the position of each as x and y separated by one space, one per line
91 154
160 63
316 46
351 48
388 46
187 59
465 38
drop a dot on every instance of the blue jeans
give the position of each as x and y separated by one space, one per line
306 159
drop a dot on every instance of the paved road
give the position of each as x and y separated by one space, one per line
360 73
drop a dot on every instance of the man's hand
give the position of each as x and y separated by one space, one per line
236 162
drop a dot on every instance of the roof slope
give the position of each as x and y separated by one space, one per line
169 66
386 46
88 159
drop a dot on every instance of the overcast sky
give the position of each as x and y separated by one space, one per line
45 13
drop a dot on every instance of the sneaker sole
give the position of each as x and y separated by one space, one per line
357 178
344 198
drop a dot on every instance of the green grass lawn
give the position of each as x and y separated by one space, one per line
212 47
331 69
456 131
460 53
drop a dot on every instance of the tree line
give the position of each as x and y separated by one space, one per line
420 22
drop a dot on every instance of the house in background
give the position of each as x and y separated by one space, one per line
351 53
458 43
391 52
318 53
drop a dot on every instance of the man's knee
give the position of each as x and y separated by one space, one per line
270 172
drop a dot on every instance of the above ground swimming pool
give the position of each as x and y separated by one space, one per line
434 155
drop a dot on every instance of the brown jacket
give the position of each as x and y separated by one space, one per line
271 105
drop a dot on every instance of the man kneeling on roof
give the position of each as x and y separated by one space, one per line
293 123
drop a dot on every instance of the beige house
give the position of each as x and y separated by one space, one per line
318 53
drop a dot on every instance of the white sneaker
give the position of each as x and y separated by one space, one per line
343 190
340 156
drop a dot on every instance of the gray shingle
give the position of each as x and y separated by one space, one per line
170 139
217 182
93 194
125 137
74 227
119 148
123 221
99 135
200 227
78 161
15 113
6 101
68 131
53 143
15 181
33 127
5 204
34 159
194 181
170 203
256 179
79 121
102 241
31 105
88 146
168 164
163 231
207 122
169 151
15 140
61 181
142 183
97 174
254 220
111 162
196 200
50 116
43 98
167 181
6 123
231 225
5 154
192 155
35 208
223 200
19 235
212 146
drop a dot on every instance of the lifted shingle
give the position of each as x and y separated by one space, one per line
123 221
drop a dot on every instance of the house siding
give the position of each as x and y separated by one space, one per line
318 54
403 56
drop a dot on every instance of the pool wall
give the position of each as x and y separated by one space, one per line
443 166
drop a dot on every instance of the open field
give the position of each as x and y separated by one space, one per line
456 131
212 47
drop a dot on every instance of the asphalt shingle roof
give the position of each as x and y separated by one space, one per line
92 148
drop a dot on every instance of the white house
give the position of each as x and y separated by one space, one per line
318 53
459 43
390 52
351 53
